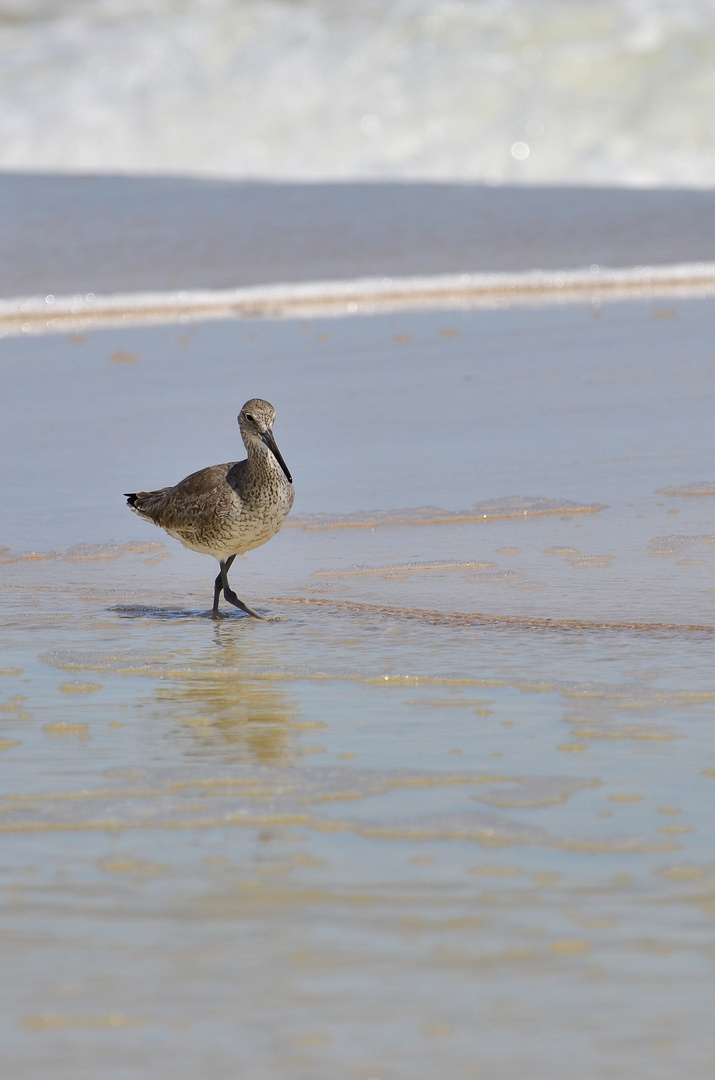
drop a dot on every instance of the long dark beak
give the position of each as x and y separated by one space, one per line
270 442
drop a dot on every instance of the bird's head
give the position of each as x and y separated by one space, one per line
255 422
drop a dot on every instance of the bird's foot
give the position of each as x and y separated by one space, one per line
230 595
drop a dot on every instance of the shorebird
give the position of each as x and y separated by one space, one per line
226 510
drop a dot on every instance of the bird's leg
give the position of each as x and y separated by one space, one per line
229 594
218 583
218 586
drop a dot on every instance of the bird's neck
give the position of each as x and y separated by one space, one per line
261 460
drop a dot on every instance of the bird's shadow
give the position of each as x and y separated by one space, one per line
147 611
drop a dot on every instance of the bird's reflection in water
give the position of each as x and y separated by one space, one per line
225 709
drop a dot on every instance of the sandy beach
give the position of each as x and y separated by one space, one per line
444 812
447 811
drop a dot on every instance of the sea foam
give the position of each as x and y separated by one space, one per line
608 92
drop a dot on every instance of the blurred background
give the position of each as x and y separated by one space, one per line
608 92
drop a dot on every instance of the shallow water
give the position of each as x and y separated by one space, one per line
448 810
88 236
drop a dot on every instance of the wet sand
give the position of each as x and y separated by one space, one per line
448 810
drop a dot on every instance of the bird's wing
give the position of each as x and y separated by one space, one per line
195 497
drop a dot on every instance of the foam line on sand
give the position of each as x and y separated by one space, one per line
361 296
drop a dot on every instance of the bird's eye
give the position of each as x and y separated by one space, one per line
249 417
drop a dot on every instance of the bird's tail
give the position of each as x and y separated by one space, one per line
137 501
148 504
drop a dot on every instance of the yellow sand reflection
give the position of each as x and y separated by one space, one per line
243 717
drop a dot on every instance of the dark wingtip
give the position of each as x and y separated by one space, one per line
131 498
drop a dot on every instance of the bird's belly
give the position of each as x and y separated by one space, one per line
231 535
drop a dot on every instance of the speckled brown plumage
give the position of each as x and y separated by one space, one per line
226 510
